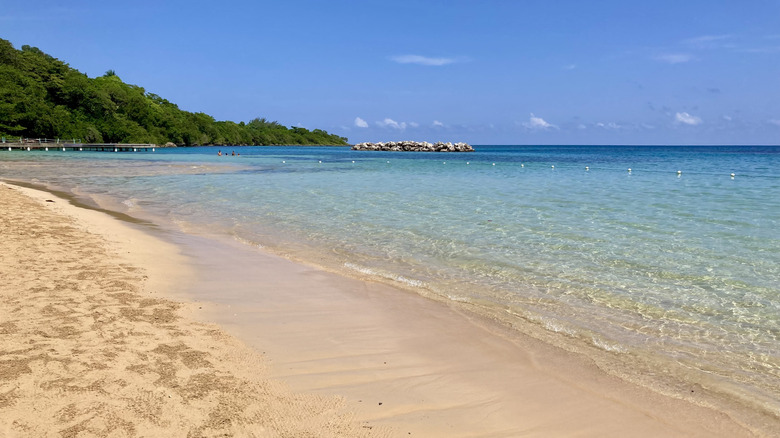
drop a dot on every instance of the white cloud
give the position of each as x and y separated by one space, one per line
538 123
414 124
438 124
708 41
775 122
570 67
390 123
687 119
421 60
610 125
728 118
360 123
673 58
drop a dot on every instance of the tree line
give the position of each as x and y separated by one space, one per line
43 97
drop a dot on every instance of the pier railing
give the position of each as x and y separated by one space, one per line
50 144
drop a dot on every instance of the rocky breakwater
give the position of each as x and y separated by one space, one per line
414 146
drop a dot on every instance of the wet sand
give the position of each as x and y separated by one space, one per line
95 346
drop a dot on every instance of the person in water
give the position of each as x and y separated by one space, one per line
219 153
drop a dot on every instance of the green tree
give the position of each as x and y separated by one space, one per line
41 96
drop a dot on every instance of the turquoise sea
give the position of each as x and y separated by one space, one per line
667 274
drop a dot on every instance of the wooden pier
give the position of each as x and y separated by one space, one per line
49 145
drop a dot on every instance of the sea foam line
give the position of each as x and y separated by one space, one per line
398 278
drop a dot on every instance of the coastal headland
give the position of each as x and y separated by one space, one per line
413 146
109 330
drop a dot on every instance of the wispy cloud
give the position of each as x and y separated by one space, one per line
570 67
390 123
609 125
360 123
767 49
422 60
673 58
775 122
687 119
438 124
709 41
538 123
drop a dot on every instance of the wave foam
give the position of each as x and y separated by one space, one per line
398 278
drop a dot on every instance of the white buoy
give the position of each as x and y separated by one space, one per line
522 165
388 162
353 161
47 149
494 164
28 148
552 167
152 149
116 150
81 149
320 161
733 175
444 162
467 162
9 149
629 170
135 150
679 172
587 168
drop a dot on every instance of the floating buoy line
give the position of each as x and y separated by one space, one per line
630 170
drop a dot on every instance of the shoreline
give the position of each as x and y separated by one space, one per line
436 370
94 346
434 366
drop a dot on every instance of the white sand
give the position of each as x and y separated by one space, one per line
89 348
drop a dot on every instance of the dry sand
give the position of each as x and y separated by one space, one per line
91 348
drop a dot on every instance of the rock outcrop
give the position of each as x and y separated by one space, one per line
414 146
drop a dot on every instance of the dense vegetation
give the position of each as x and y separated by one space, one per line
42 97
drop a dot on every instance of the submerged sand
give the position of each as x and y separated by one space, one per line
92 345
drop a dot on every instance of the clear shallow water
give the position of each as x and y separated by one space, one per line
659 270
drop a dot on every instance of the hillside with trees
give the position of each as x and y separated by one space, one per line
43 97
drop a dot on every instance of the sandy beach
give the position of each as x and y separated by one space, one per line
110 331
90 347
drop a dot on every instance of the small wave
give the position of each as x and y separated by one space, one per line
248 242
409 281
129 203
398 278
360 269
558 328
615 348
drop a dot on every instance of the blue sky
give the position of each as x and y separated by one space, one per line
484 72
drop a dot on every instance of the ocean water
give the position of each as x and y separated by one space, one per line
667 274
